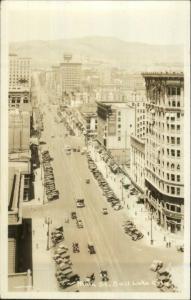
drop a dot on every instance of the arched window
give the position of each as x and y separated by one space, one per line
178 167
172 166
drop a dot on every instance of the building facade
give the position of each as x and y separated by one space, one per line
137 166
70 77
19 82
116 123
19 73
164 177
19 131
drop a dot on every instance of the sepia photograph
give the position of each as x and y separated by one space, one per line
95 150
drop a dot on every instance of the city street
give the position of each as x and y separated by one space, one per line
126 261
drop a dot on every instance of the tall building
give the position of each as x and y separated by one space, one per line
19 131
70 75
19 81
116 122
19 72
164 178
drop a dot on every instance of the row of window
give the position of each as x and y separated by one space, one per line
173 140
173 190
173 91
170 127
140 129
167 188
172 177
170 152
173 152
168 165
173 207
141 110
162 114
19 101
173 127
141 117
174 103
137 104
140 123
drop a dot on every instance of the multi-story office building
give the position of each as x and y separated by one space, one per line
19 81
138 101
19 131
19 72
133 82
164 178
137 167
70 77
19 232
137 163
116 122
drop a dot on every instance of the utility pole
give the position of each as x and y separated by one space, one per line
122 200
48 221
151 227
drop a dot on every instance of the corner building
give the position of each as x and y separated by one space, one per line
164 178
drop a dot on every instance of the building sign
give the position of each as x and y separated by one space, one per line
112 120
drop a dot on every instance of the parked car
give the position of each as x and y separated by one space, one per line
62 246
104 275
180 248
79 223
105 211
91 248
156 265
73 215
80 203
117 207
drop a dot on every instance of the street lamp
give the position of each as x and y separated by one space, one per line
41 161
122 196
151 218
48 221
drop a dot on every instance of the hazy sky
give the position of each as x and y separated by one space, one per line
155 22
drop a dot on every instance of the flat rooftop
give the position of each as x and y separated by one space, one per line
163 74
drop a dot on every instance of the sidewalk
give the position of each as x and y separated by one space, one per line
136 212
39 192
44 279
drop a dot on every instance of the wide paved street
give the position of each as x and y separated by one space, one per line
126 261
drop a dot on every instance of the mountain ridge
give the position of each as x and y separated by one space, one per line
109 50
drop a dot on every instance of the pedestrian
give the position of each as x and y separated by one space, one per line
169 244
148 233
164 238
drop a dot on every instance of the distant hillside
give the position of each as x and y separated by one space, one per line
112 51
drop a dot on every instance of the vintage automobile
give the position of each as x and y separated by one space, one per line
104 275
75 247
91 248
73 215
180 248
104 211
80 203
156 265
62 246
79 223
